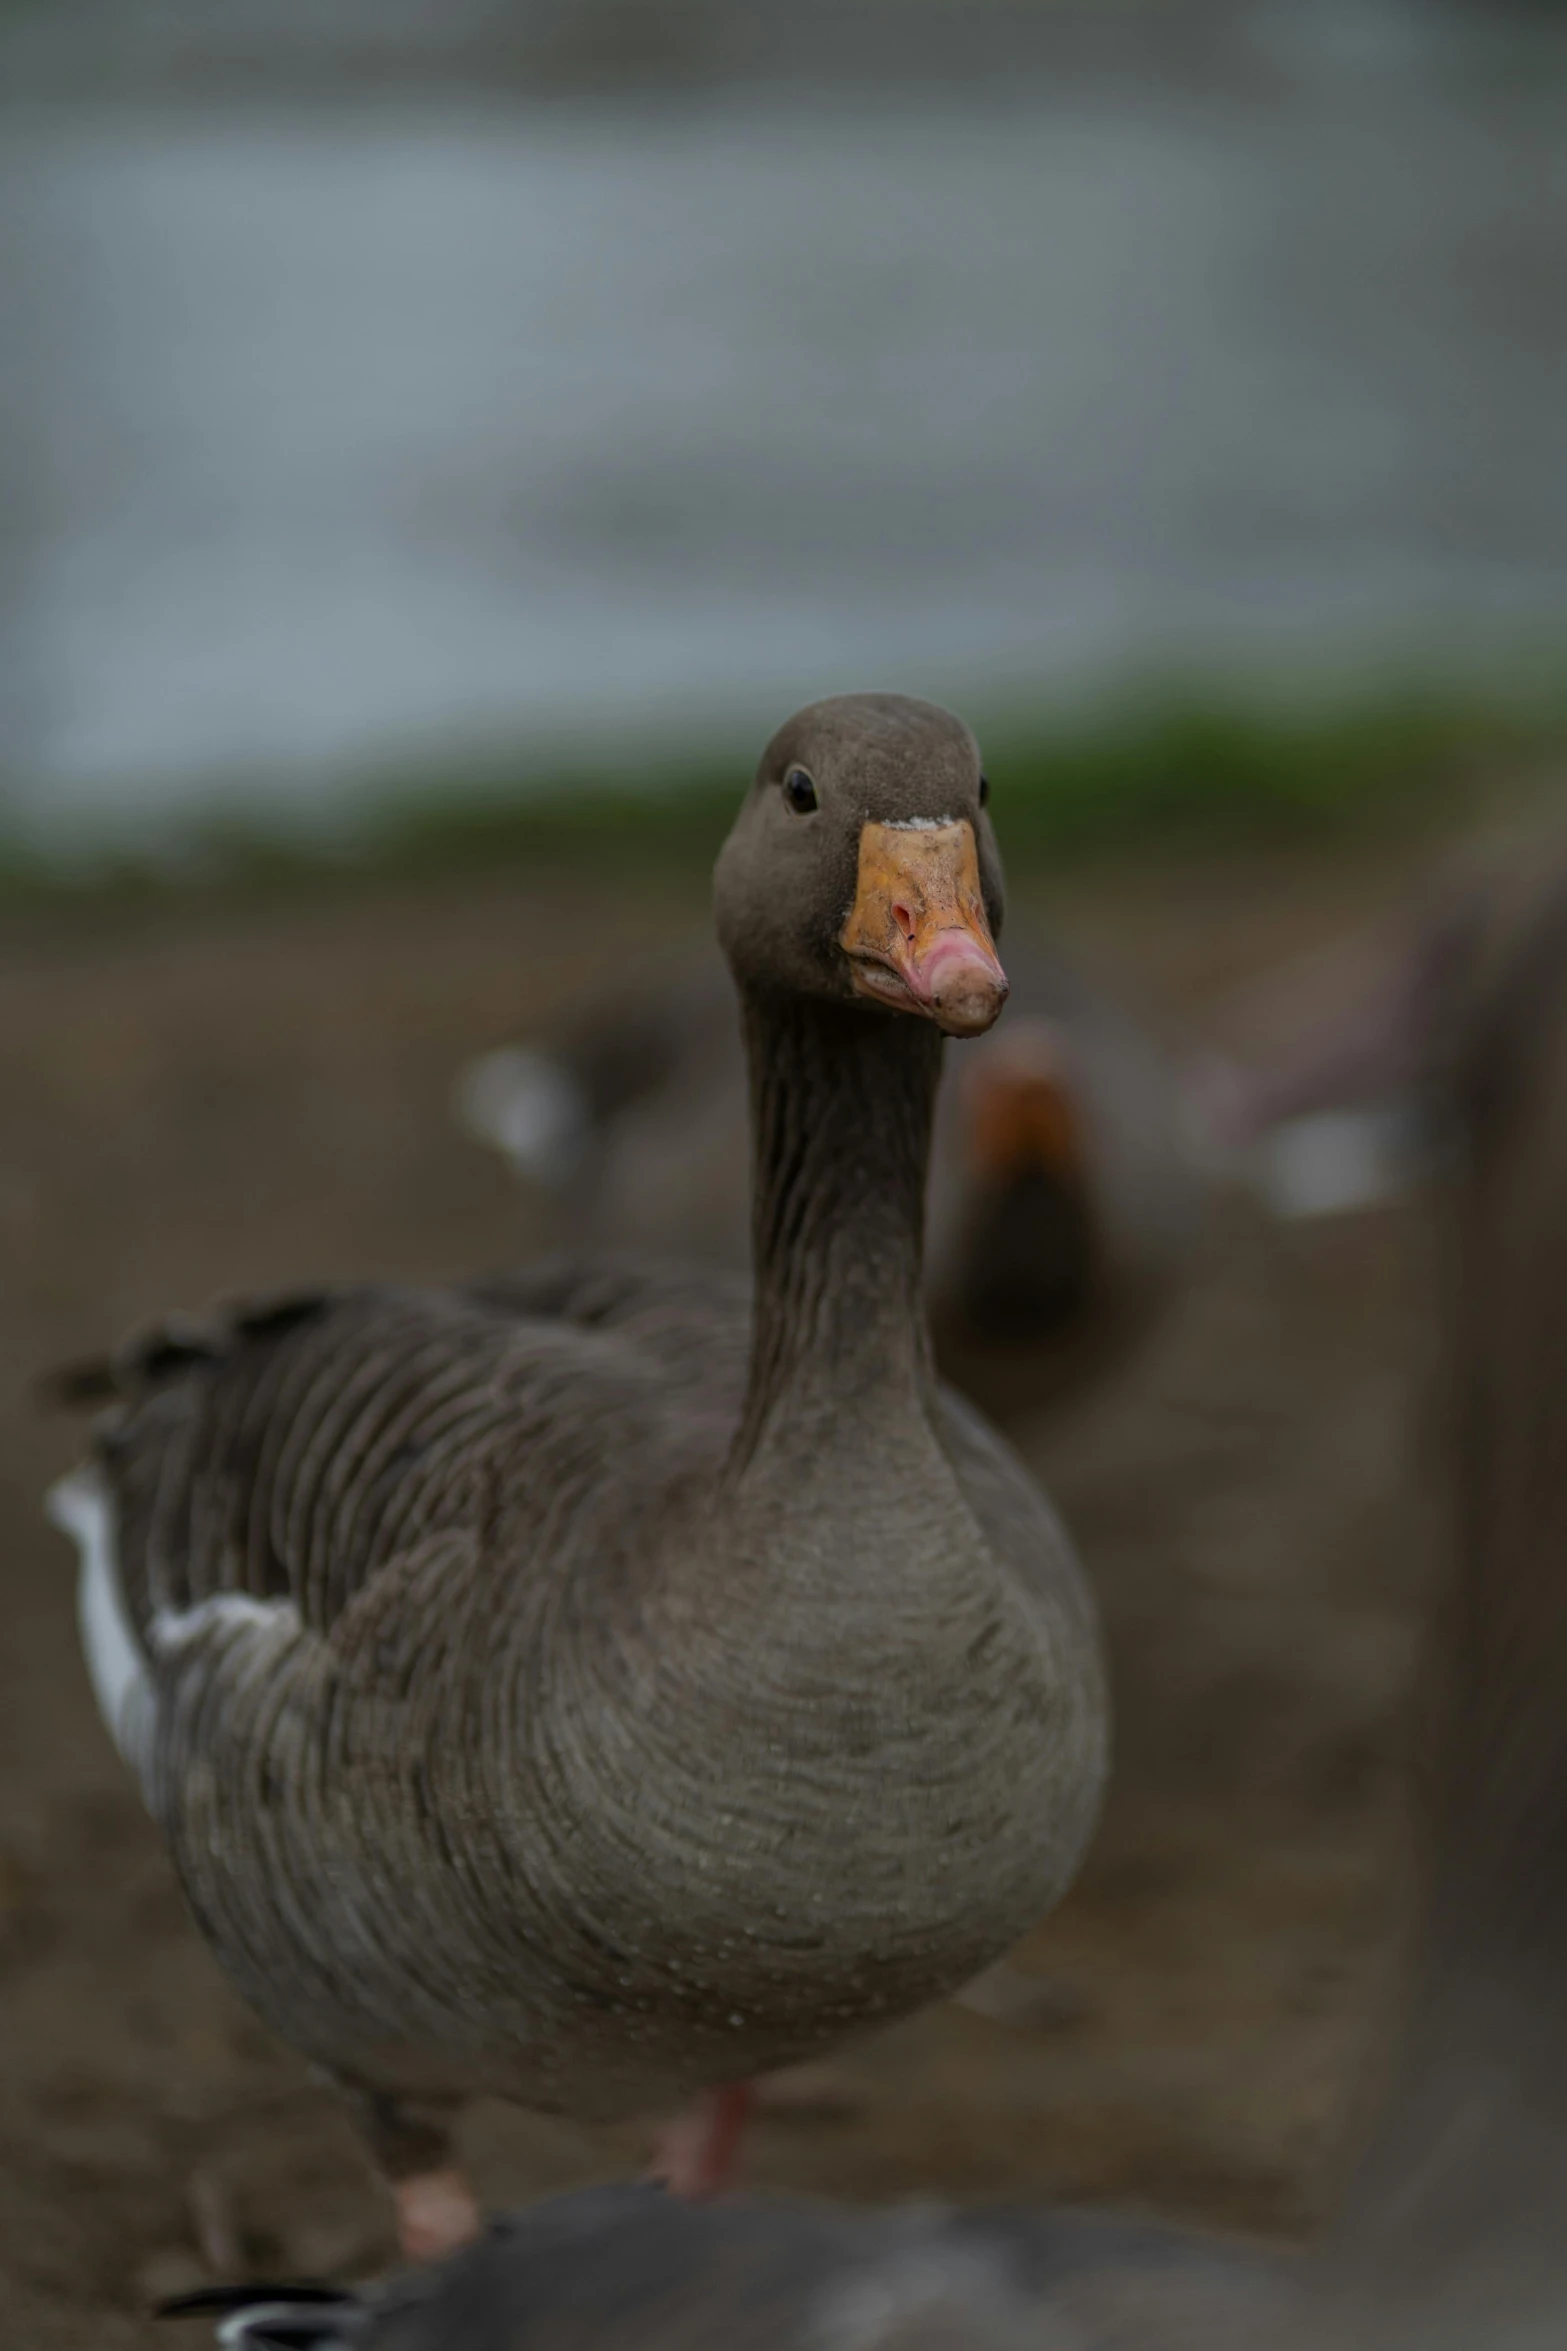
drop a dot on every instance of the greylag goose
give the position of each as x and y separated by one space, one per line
1070 1161
577 1686
1451 2236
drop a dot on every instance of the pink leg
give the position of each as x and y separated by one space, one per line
436 2214
412 2148
697 2154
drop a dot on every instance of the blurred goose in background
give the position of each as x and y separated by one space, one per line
1330 1093
1451 2236
584 1687
1070 1161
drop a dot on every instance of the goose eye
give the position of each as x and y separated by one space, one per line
799 791
984 791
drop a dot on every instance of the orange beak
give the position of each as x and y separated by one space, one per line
917 937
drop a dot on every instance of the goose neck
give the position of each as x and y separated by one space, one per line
842 1101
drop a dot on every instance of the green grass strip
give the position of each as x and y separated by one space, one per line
1172 769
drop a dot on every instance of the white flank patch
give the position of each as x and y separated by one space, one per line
116 1662
173 1629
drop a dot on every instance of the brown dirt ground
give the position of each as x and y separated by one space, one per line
206 1099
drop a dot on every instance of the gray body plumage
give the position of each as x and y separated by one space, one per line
497 1745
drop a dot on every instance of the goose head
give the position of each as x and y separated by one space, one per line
862 867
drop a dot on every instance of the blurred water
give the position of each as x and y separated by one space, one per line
327 434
